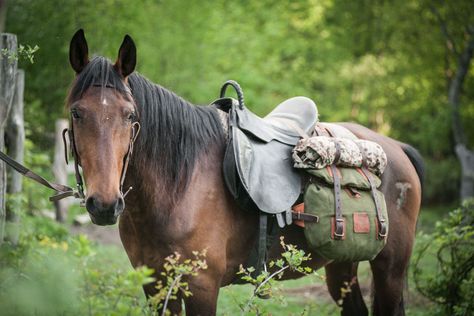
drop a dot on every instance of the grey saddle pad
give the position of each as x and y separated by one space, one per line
258 168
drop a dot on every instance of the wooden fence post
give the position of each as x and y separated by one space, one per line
8 67
60 168
15 136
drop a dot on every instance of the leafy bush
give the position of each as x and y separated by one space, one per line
174 272
52 273
292 259
449 282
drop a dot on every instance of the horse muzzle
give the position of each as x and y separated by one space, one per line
102 213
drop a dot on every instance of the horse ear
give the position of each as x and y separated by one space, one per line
78 51
127 57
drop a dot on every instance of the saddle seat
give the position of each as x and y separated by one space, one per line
258 168
284 123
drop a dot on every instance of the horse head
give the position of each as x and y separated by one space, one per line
103 125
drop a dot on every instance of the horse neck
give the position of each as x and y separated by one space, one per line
172 144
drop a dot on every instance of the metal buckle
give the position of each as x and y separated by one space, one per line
383 229
339 228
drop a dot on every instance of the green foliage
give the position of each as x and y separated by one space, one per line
51 273
449 279
175 271
24 52
442 183
291 259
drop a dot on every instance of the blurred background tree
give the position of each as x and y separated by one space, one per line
385 64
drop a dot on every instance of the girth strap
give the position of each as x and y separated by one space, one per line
378 209
262 242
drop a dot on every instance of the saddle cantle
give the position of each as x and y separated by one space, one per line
258 169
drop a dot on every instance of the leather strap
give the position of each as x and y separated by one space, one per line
337 156
378 209
62 191
320 131
305 217
126 161
339 220
262 242
75 155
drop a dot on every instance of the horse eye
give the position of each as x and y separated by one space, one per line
132 116
75 114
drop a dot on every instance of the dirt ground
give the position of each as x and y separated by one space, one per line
107 235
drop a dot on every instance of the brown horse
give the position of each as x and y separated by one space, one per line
179 201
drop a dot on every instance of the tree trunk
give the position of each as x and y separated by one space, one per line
3 14
465 156
15 136
8 68
60 168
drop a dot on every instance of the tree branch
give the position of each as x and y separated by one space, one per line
444 29
455 88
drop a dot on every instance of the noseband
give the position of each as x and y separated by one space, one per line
77 160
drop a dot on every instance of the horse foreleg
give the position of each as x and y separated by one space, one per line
338 277
203 300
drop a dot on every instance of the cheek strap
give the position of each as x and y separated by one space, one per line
126 160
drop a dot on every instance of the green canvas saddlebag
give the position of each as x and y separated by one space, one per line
361 233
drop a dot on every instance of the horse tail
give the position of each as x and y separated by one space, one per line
416 160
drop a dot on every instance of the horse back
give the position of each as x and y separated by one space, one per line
401 181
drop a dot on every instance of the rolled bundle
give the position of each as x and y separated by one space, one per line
321 151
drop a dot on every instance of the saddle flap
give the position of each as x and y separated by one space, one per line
266 172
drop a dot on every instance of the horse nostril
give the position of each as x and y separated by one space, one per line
119 206
93 205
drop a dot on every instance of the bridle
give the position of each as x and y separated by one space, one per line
77 160
64 191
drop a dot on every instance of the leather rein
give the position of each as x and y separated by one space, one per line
63 191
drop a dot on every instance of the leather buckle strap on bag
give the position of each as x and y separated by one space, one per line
339 220
378 209
305 217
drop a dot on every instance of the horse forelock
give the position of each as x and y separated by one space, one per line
99 72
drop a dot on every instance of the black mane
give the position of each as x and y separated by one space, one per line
174 133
